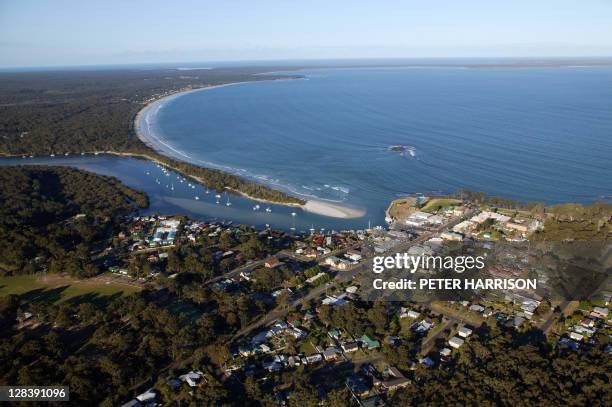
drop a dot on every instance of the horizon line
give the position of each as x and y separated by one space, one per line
245 62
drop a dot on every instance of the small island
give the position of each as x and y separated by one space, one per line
402 149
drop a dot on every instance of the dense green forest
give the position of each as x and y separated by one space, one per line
577 222
75 111
56 215
105 349
509 368
109 349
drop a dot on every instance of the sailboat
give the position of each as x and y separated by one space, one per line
228 203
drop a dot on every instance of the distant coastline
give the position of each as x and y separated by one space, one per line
144 134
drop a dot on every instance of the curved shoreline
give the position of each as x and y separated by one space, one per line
144 134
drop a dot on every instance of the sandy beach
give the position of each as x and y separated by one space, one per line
333 210
144 133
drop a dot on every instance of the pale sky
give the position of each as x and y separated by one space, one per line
89 32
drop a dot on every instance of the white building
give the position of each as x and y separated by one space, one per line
464 332
455 342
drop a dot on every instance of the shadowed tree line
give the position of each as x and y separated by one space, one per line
55 216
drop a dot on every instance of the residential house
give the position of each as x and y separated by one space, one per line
273 262
455 342
396 380
349 347
476 308
601 312
353 255
464 332
576 336
451 236
369 343
317 357
331 353
192 378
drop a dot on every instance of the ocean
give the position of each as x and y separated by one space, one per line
531 134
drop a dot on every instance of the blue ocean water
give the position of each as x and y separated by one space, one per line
532 134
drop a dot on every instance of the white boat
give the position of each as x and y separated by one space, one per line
293 214
218 196
268 210
197 198
51 155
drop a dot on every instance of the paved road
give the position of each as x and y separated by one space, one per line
343 277
548 324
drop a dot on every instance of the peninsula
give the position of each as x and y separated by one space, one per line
180 160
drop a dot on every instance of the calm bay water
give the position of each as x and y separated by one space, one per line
532 134
167 195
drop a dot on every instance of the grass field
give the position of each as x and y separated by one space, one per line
58 288
400 209
440 203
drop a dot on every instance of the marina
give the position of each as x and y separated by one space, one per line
189 198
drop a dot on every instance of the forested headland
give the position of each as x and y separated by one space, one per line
57 216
